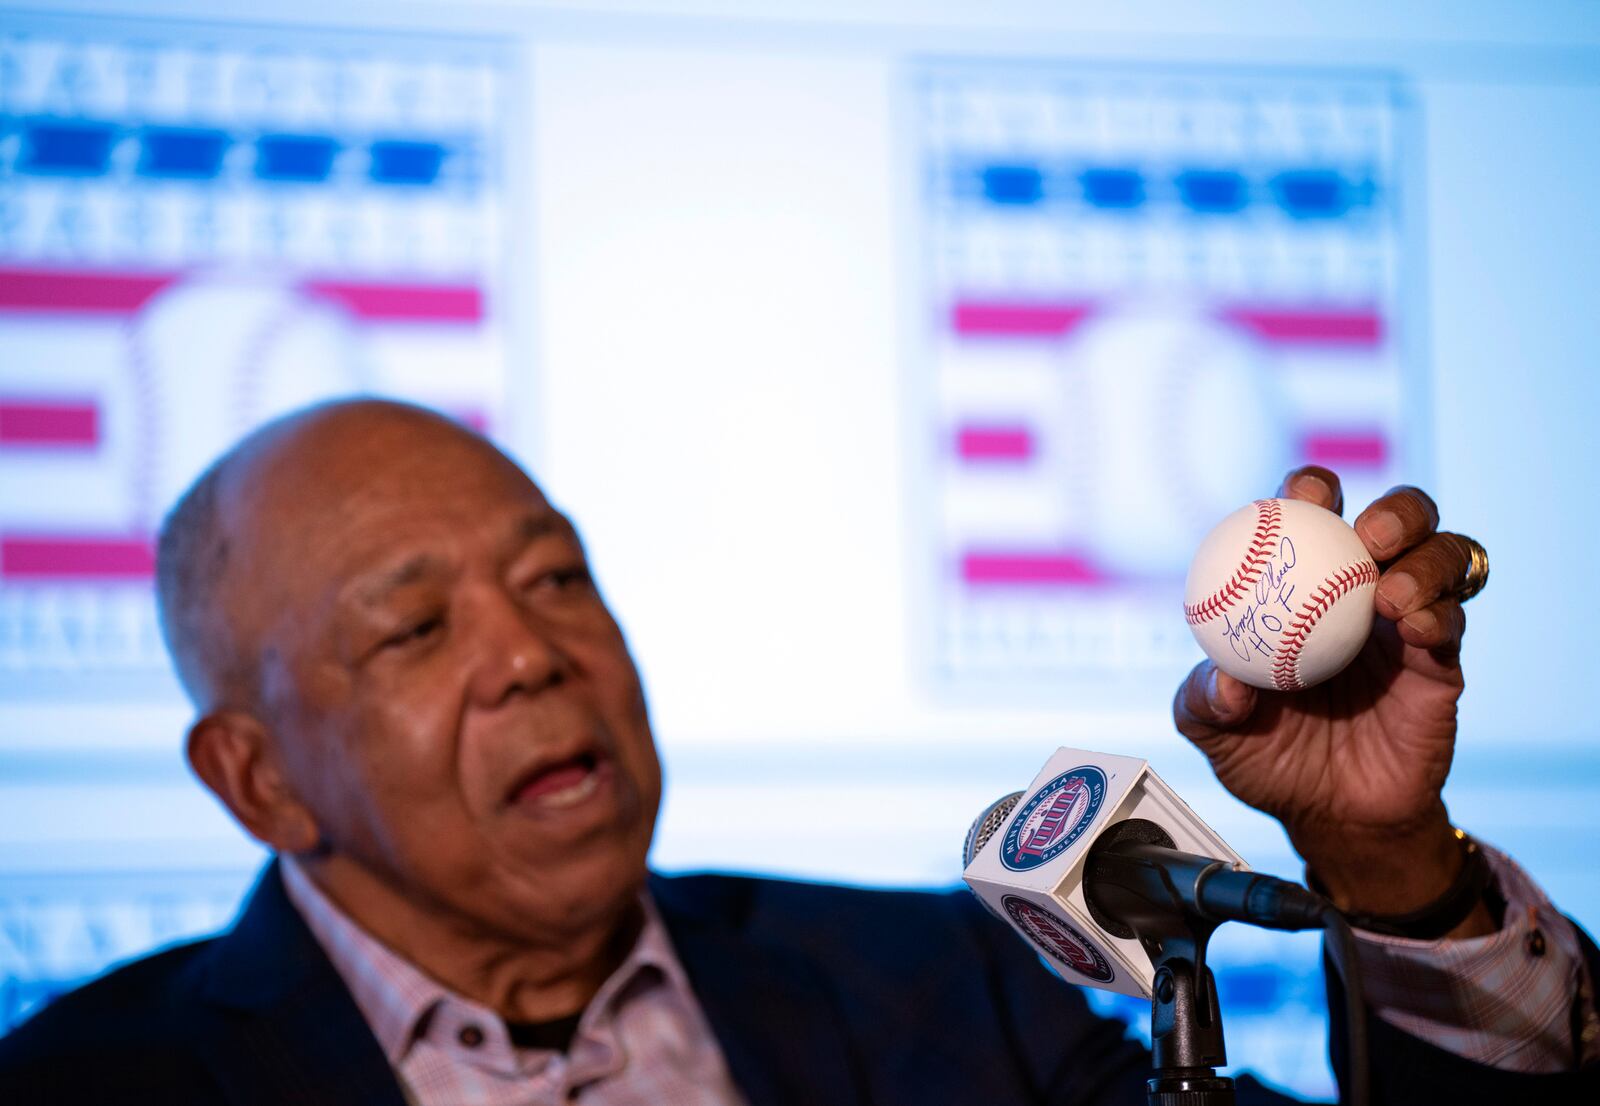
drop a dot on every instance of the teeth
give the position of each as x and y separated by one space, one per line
570 796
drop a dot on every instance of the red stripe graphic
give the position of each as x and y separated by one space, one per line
975 318
1345 448
994 443
59 423
1016 319
1030 569
1315 325
396 302
69 291
76 557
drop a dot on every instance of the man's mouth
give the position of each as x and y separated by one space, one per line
562 783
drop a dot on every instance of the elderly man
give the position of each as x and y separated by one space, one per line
409 688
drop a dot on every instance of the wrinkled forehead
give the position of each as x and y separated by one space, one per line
317 507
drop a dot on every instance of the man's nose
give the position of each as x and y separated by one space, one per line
516 652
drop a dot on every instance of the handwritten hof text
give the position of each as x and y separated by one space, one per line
1255 632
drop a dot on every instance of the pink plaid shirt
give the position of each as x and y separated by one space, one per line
1505 1000
644 1041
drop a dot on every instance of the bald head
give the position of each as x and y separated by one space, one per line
245 513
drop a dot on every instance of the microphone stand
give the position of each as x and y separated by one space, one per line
1185 1021
1185 1018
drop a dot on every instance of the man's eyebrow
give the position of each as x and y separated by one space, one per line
531 527
377 587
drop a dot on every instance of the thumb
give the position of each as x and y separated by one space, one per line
1210 703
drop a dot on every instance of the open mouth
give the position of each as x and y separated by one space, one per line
561 784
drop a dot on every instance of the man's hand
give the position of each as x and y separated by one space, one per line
1354 767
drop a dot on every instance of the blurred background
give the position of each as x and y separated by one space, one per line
891 357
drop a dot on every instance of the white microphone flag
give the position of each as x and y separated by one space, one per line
1030 871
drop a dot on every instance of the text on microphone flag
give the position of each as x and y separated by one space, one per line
1053 818
1058 938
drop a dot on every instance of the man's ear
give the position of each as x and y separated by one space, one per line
233 756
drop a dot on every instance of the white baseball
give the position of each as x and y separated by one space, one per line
1280 594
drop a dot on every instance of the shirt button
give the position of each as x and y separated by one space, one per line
470 1035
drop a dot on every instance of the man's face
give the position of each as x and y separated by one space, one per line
451 697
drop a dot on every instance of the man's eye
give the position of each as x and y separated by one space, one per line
564 579
417 631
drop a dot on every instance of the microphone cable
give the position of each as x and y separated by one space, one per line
1355 1006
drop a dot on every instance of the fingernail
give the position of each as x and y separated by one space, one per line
1383 531
1310 486
1214 692
1399 589
1420 622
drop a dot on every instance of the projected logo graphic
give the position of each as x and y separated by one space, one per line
198 230
193 238
1149 295
54 932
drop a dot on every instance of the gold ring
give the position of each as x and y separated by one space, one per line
1477 570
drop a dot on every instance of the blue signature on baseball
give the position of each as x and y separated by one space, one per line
1247 636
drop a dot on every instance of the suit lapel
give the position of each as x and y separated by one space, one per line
770 1008
284 1027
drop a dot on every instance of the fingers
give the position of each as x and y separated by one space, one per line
1418 588
1314 484
1211 701
1430 571
1437 627
1398 520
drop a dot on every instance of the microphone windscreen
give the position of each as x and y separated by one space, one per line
987 824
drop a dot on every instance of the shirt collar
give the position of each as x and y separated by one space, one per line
396 998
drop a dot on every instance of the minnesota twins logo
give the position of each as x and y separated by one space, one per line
1054 818
1059 939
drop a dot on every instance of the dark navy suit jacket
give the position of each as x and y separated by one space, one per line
819 996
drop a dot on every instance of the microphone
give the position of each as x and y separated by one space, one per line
1135 878
1116 883
1099 862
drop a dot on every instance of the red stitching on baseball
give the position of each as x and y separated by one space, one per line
1269 523
1286 662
